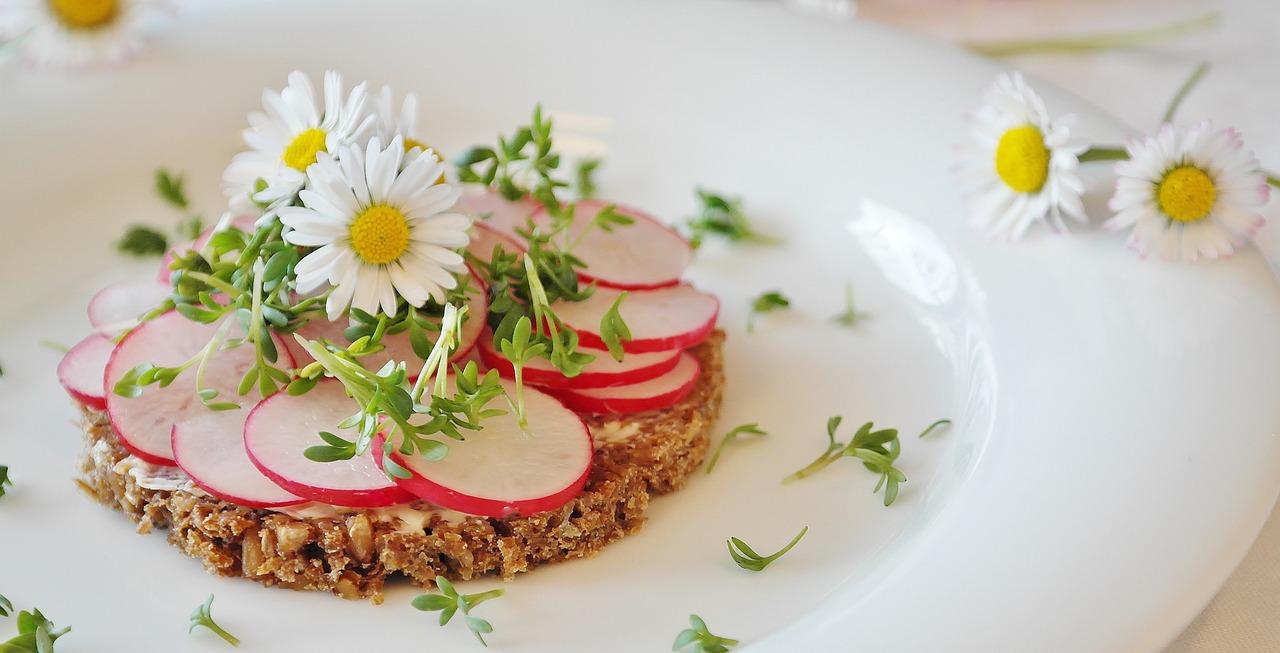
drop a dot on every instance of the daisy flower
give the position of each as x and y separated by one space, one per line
381 233
286 139
74 32
1022 168
1188 193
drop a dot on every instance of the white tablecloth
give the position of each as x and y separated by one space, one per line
1241 90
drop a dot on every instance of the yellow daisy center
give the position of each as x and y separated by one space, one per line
1022 160
304 148
1186 194
379 235
84 14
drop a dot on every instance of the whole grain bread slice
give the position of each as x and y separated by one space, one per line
352 552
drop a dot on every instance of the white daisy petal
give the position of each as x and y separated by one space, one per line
1044 191
1207 212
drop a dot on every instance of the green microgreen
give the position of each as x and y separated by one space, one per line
768 302
745 429
584 178
4 478
876 449
701 639
748 559
449 602
5 606
172 189
141 240
851 316
722 216
518 165
36 634
202 616
938 425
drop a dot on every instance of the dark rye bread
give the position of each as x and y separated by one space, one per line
351 553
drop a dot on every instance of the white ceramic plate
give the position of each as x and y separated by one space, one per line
1113 451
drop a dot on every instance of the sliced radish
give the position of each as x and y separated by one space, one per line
246 223
655 394
81 370
117 307
398 347
602 372
210 449
660 319
484 238
281 427
499 213
502 470
144 422
645 254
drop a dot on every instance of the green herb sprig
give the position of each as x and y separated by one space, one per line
851 316
768 302
722 216
203 616
449 602
748 559
36 634
584 178
507 168
4 478
876 449
745 429
5 606
700 639
938 425
142 241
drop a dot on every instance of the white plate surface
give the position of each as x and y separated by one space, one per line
1114 447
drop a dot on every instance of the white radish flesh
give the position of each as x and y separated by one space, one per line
144 422
117 307
500 214
282 427
645 254
660 319
662 392
602 372
210 449
484 238
82 368
502 470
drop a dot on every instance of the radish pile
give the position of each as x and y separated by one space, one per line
254 455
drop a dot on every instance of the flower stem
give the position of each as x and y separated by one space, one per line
1106 41
1194 79
1104 154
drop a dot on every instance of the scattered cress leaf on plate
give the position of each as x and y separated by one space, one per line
5 606
202 616
449 602
851 316
722 216
745 429
876 449
766 303
936 426
748 559
4 478
700 639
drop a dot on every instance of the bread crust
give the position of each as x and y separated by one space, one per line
351 553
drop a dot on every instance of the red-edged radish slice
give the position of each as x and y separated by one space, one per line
602 372
655 394
117 307
484 238
398 346
501 470
144 422
246 223
281 427
646 254
82 368
498 213
210 449
660 319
